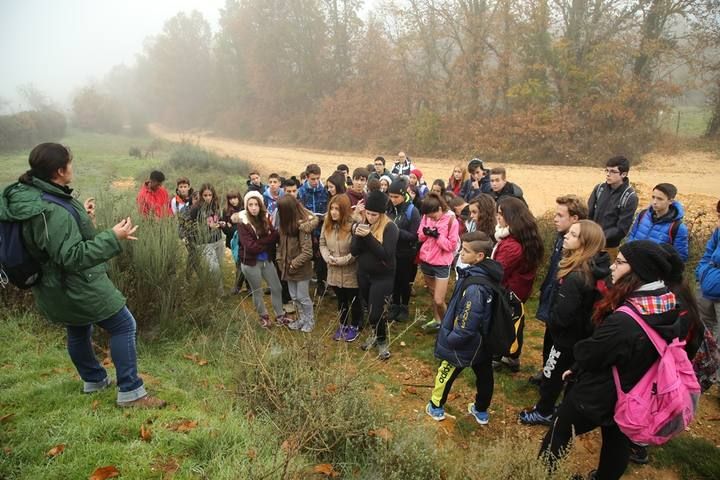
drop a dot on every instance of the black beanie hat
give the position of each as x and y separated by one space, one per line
398 186
376 202
651 262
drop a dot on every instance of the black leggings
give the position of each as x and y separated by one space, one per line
559 359
405 270
615 445
376 291
349 303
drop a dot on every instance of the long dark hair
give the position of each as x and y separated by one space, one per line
215 204
289 215
338 180
432 202
615 297
486 207
229 209
524 228
45 160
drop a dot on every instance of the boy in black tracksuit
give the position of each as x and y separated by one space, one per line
466 322
407 218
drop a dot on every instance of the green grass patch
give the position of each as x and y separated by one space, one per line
693 458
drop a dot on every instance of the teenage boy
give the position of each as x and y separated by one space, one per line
346 171
612 204
272 194
183 195
662 221
403 165
407 218
291 186
357 192
468 318
501 188
314 196
153 200
254 183
379 169
569 209
479 181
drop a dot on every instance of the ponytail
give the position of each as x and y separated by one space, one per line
45 160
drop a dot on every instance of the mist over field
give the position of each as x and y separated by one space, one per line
536 81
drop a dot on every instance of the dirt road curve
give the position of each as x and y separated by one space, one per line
692 172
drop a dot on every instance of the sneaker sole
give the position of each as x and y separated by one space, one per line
437 419
481 422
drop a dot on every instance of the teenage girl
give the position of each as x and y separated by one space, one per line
257 241
335 241
519 250
584 263
438 232
206 217
294 257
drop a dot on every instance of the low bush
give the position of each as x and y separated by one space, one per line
26 129
187 156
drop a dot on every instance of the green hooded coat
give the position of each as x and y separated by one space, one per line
74 288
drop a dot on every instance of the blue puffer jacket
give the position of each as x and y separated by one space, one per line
708 271
468 317
315 200
648 227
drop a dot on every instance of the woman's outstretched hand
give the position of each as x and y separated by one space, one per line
125 230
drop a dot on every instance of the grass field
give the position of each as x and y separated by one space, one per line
252 404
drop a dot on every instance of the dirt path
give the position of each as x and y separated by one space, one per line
693 173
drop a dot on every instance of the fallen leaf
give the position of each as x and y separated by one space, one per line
452 396
56 450
6 417
183 426
251 454
95 405
188 356
403 344
145 433
7 450
383 433
411 390
102 473
202 362
166 466
107 361
331 388
326 469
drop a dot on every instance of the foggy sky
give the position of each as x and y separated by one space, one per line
59 45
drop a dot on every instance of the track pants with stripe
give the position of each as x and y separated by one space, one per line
484 383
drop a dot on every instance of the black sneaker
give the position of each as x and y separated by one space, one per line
639 454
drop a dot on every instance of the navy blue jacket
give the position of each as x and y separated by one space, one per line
549 285
708 270
468 317
648 226
408 227
468 192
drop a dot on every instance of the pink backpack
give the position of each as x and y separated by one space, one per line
663 402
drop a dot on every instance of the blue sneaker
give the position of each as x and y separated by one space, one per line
481 417
351 333
533 417
436 413
339 333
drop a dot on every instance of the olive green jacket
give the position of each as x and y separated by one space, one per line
74 288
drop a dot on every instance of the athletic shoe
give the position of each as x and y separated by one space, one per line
370 342
481 417
147 401
431 326
536 378
392 313
265 321
402 315
307 328
296 325
638 454
383 350
512 363
436 413
351 334
339 333
283 320
533 417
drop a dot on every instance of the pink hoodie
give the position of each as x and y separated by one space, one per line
439 251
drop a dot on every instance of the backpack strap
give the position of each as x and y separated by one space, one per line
659 343
50 198
409 210
672 233
629 192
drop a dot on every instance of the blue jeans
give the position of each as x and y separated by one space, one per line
121 328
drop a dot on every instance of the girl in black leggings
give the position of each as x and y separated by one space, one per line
373 243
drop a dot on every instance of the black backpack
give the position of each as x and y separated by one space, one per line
508 317
16 264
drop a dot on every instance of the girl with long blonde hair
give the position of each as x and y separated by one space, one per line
584 263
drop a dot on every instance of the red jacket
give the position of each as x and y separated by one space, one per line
250 244
516 276
153 203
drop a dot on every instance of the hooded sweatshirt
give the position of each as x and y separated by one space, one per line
153 202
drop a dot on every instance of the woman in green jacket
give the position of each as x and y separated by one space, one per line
74 289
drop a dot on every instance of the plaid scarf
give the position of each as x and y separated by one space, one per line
654 304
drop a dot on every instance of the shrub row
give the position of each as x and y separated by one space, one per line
26 129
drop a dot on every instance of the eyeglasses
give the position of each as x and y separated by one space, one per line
619 262
611 171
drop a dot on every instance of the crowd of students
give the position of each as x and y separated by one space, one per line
366 235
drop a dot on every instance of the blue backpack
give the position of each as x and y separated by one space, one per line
235 247
16 264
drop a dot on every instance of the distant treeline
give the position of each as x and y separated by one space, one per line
560 82
26 129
